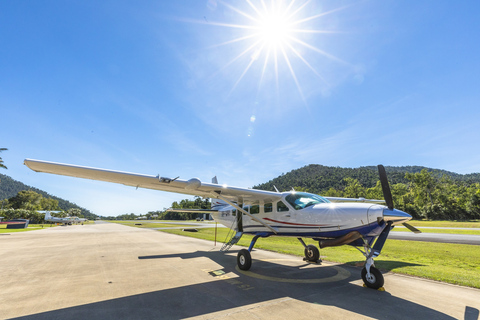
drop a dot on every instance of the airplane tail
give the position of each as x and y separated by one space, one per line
216 203
47 215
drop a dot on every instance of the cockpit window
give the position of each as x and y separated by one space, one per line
300 200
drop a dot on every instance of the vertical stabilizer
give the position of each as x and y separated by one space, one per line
217 203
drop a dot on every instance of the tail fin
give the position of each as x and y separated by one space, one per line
217 203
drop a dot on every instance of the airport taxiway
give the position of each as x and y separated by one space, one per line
111 271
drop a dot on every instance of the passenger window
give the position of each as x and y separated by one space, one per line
268 207
281 207
254 209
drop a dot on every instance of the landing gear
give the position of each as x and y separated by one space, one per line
374 279
244 259
371 276
312 253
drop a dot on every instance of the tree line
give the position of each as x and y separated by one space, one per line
425 196
10 188
27 203
423 192
196 203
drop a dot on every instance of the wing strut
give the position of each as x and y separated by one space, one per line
248 214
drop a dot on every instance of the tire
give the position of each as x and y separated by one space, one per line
375 281
244 259
312 253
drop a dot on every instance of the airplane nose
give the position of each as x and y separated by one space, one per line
396 216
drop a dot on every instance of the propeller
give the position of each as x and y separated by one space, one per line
387 195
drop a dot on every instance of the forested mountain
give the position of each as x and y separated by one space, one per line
422 192
10 187
317 178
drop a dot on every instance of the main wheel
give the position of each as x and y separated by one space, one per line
375 280
312 253
244 259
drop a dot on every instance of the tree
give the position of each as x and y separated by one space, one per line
30 200
1 160
353 189
74 212
423 185
26 199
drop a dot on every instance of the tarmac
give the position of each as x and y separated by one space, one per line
111 271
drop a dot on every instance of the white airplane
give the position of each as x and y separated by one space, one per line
50 218
77 220
357 222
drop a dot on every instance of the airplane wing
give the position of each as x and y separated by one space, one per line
192 187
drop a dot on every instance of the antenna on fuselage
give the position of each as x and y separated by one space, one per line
276 189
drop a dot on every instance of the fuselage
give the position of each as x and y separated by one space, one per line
307 215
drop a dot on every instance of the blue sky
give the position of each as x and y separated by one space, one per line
242 90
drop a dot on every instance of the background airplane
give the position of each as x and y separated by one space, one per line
78 220
266 213
52 219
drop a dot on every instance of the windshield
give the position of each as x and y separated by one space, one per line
300 200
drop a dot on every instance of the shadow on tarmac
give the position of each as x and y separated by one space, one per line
231 289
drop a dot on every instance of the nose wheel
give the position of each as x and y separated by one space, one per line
373 279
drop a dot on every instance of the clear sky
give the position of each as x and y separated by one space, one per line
245 90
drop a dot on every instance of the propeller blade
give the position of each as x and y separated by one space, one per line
411 228
387 195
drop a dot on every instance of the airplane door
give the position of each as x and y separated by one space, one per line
283 213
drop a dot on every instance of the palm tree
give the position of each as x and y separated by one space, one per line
1 161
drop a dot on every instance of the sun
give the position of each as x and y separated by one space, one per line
274 30
274 37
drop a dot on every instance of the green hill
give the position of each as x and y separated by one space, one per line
10 187
317 178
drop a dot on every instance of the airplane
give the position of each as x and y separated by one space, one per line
50 218
77 220
356 222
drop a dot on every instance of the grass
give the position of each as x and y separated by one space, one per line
420 224
31 226
449 231
446 224
451 263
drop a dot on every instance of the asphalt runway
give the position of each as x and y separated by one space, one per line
110 271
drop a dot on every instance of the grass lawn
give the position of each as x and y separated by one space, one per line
445 224
420 224
451 263
449 231
31 226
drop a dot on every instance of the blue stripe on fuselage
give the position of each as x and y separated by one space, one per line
369 230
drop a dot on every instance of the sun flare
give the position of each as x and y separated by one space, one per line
278 38
274 30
